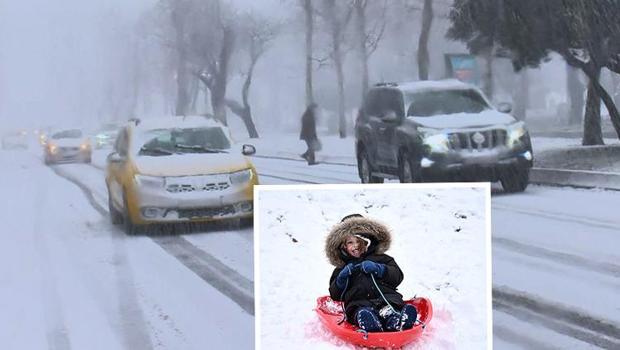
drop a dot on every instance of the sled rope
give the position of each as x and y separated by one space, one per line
344 311
400 314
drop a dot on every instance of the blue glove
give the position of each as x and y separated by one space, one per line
343 276
371 267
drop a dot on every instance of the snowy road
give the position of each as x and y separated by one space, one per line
67 274
71 280
555 260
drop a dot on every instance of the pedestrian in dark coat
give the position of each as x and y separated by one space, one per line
365 277
308 133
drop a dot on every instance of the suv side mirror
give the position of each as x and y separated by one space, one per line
504 107
389 117
114 158
248 150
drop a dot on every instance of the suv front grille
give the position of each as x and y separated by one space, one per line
477 140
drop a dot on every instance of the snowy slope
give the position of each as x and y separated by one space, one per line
447 266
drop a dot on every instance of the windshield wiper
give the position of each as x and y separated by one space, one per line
156 150
199 148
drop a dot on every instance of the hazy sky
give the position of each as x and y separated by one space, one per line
51 61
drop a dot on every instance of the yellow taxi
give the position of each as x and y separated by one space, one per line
178 169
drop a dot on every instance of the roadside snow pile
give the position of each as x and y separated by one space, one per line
438 240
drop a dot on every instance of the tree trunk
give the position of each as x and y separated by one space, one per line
342 122
195 89
308 10
615 81
487 78
181 59
575 95
423 56
245 113
218 93
592 134
360 11
521 98
614 115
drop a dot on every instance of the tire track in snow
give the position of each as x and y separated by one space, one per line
57 334
559 318
132 318
226 280
564 258
514 337
560 216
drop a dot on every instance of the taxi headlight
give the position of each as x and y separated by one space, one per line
240 177
435 140
515 133
149 181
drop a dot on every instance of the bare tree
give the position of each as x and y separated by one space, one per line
521 94
368 39
337 17
179 12
309 16
423 56
575 95
257 36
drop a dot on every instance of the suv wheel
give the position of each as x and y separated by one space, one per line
115 216
365 171
515 179
408 170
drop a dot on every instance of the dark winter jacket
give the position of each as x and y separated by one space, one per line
360 290
308 125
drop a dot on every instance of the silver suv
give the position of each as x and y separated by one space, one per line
440 131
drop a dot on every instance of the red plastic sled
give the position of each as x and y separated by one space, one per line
330 313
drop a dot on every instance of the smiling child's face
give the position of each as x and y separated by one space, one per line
354 246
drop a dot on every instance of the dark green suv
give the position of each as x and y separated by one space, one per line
440 131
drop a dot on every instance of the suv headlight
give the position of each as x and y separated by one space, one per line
436 140
149 181
515 133
240 177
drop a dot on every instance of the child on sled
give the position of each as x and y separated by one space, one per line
365 278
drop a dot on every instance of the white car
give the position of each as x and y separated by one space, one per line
67 146
15 140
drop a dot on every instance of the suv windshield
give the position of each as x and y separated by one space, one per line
163 142
429 103
68 134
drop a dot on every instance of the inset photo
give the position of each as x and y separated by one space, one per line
373 266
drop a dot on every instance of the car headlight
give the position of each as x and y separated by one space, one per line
53 148
85 146
240 177
149 181
436 140
515 133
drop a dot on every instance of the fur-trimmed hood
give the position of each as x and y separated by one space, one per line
379 235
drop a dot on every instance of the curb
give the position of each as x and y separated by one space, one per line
575 178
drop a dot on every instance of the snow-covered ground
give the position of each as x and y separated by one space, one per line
71 280
439 241
337 150
67 273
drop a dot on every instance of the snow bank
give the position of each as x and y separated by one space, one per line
439 242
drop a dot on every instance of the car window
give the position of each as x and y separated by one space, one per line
391 100
162 142
68 134
429 103
371 105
